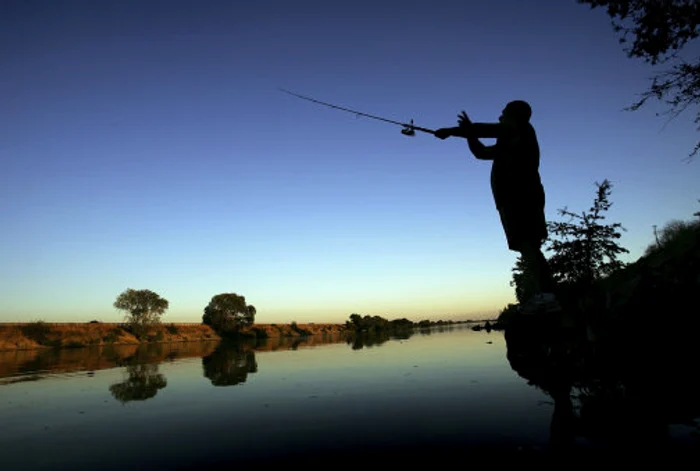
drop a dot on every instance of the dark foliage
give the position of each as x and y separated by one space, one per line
228 313
656 31
584 248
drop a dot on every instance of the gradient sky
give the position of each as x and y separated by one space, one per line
145 145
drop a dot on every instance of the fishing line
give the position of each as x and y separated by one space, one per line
409 129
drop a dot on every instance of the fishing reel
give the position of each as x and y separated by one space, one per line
408 130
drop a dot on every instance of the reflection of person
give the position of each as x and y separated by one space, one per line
517 190
546 361
563 426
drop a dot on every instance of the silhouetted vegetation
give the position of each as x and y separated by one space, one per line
659 288
172 329
228 313
367 323
676 236
259 333
656 32
369 331
611 298
144 308
665 280
583 250
303 332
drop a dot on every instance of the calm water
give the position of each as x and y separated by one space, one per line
191 405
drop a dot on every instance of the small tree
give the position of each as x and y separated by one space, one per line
584 249
144 308
228 313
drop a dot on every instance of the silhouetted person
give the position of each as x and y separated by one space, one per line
517 189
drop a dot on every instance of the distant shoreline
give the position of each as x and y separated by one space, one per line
43 335
47 335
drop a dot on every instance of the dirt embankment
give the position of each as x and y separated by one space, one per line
38 335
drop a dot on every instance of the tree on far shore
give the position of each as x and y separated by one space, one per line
228 313
144 308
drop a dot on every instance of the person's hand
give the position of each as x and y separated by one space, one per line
463 120
443 133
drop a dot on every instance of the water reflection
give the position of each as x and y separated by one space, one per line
229 364
25 365
143 382
547 359
616 395
373 338
446 398
33 365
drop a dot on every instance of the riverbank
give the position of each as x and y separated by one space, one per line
41 335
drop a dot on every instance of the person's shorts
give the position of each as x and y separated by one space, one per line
524 225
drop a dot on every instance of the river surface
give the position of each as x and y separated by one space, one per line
185 406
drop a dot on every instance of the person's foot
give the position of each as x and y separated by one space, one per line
541 303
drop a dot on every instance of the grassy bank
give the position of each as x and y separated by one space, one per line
37 335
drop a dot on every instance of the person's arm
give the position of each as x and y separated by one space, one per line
484 130
467 129
475 131
481 151
444 133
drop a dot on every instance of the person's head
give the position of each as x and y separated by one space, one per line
517 111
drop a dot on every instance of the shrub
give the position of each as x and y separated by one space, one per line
157 337
112 335
37 331
172 329
260 333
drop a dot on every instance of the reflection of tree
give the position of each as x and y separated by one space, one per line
143 383
361 340
229 365
369 339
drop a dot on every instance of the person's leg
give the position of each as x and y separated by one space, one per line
538 267
525 229
544 298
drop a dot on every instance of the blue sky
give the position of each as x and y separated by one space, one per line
146 145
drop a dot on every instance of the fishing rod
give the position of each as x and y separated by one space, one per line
409 129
